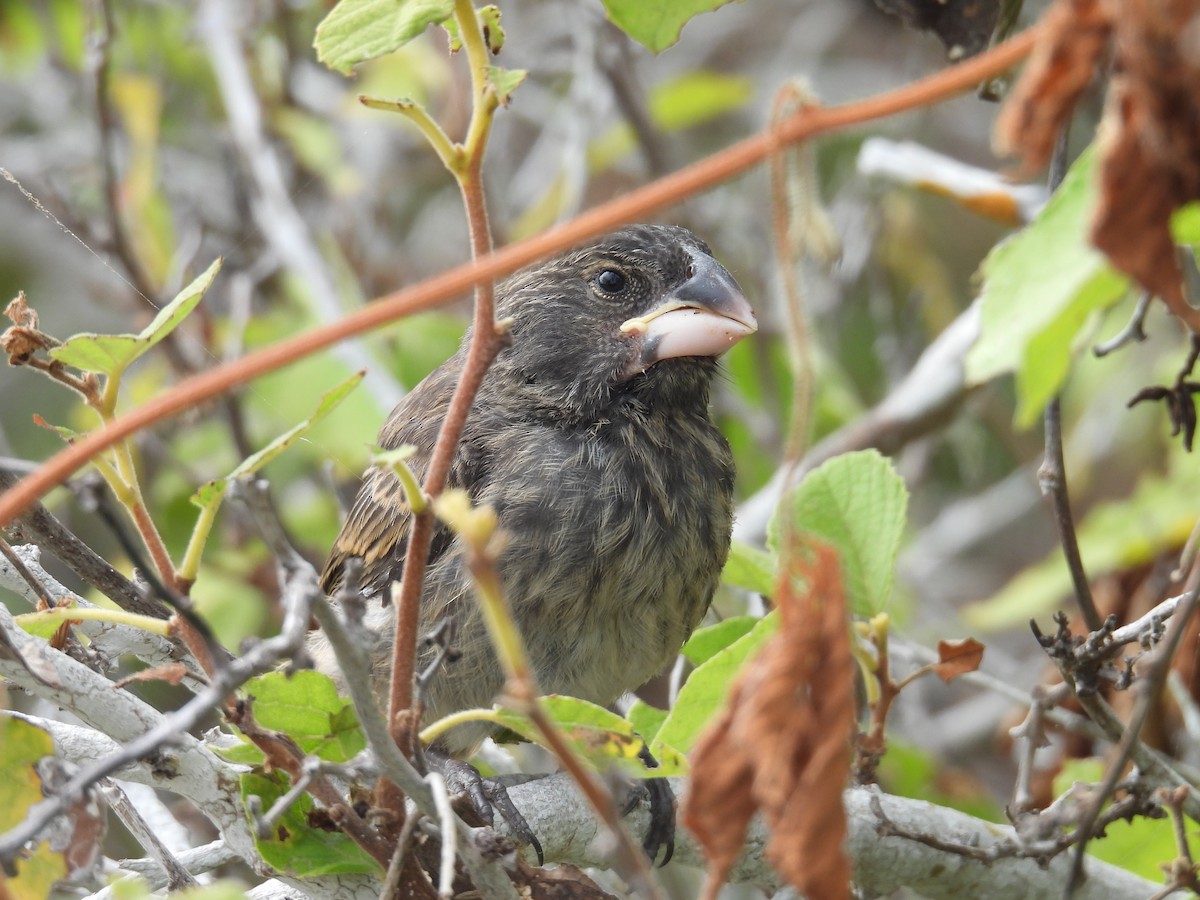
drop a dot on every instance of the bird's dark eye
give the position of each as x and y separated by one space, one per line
611 281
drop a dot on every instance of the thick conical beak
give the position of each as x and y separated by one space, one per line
704 316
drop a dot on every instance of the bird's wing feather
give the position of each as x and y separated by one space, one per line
377 526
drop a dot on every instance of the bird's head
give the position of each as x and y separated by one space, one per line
644 311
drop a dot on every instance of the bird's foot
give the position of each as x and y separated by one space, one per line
486 797
660 835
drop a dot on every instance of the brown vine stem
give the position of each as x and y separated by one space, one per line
441 288
466 163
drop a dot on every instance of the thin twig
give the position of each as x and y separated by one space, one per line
28 577
178 876
99 44
1134 331
40 527
1032 735
441 799
1052 475
1150 686
440 289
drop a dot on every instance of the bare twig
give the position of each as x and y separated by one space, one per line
441 799
260 658
1134 331
1150 687
1052 475
1032 735
178 876
40 527
99 44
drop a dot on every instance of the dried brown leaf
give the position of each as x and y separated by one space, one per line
171 673
957 658
1150 144
1149 138
782 744
1074 41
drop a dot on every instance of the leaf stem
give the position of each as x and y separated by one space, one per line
160 627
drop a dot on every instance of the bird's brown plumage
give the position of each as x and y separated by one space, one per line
611 481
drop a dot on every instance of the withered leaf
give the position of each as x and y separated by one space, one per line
171 673
1149 137
782 745
957 658
1074 39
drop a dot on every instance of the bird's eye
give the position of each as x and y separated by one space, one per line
611 281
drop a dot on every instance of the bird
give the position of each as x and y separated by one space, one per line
591 438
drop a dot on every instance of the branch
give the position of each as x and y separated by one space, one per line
113 641
38 526
140 728
882 862
440 289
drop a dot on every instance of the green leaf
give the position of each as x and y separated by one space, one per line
598 735
703 694
857 503
306 706
21 746
655 24
645 719
750 568
296 847
111 354
358 30
706 642
504 81
214 491
1041 287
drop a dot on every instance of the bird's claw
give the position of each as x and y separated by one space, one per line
661 831
486 797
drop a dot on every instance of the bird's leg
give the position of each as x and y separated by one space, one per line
661 833
486 796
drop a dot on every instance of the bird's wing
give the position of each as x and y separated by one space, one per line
377 526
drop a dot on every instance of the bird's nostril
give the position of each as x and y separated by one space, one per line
691 270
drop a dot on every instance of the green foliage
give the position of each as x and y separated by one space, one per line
909 771
703 694
646 719
304 705
210 493
750 568
656 24
21 746
358 30
857 503
706 642
113 354
294 845
1041 288
601 737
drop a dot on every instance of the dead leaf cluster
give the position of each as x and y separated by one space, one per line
1149 138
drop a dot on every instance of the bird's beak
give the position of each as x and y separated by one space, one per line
704 316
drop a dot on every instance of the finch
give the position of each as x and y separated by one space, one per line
591 439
